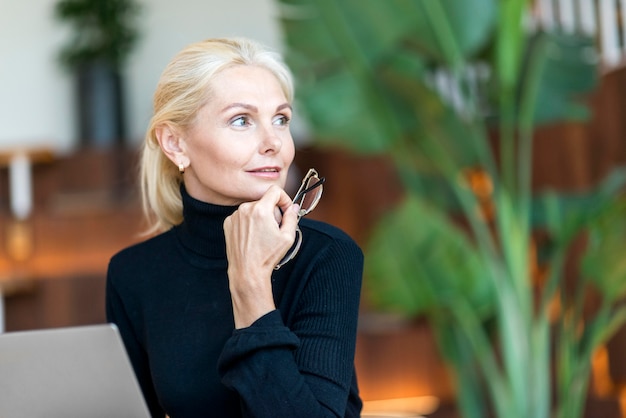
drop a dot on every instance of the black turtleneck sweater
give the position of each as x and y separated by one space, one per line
169 298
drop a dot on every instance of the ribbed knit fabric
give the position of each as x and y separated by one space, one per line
169 297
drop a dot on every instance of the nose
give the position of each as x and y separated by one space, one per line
271 142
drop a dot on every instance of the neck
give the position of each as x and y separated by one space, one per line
202 229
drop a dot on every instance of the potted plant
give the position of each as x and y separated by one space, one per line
459 250
104 33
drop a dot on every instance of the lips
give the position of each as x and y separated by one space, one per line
265 170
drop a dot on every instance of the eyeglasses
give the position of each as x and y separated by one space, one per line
308 196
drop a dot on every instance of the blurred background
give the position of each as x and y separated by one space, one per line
68 195
67 181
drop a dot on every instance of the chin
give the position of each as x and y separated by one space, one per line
258 194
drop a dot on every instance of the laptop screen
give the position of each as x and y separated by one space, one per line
73 372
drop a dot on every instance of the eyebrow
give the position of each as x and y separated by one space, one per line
253 108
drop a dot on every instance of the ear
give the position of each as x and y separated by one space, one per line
172 144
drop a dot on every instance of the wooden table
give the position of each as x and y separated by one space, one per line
9 286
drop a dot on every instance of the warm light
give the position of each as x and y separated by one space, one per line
19 240
413 407
601 374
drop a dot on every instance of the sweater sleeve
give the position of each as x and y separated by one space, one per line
118 314
306 369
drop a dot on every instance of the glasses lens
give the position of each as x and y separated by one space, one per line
309 200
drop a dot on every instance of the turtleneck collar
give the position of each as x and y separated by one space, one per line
202 229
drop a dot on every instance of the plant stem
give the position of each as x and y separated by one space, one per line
440 26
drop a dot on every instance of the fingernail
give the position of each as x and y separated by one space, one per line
295 207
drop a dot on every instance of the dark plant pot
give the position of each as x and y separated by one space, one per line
100 105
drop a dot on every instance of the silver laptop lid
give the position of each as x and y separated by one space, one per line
74 372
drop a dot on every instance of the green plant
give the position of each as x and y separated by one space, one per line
102 30
459 248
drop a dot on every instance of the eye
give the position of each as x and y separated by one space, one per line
281 120
240 121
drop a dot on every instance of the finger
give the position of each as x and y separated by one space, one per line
278 215
277 197
290 218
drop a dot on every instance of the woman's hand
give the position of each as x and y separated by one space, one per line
255 242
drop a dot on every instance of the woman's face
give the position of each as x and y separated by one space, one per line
240 143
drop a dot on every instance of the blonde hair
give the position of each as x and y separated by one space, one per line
184 87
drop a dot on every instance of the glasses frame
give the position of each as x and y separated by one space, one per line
299 198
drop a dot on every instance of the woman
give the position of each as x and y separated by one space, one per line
212 327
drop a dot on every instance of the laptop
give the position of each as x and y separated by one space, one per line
74 372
